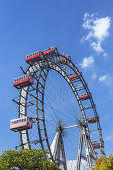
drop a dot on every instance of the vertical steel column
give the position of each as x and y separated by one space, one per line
87 149
63 153
57 149
90 154
79 150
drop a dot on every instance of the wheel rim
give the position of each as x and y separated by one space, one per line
40 72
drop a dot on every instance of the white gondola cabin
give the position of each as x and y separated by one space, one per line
23 81
21 124
33 57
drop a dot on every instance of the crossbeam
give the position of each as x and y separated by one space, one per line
73 126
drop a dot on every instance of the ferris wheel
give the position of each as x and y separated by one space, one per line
56 111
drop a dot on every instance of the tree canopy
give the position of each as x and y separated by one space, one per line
30 159
104 163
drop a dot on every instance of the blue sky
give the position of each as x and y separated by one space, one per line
27 26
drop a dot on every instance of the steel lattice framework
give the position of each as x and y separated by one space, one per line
34 96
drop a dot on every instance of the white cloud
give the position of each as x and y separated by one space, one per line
109 138
107 79
101 27
105 55
103 78
71 165
96 47
94 76
98 30
87 62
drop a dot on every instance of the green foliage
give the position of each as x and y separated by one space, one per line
104 163
27 159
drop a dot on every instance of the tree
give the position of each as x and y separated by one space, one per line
104 163
26 159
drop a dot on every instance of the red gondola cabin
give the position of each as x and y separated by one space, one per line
75 76
92 120
36 56
97 145
23 81
51 50
85 96
63 59
21 124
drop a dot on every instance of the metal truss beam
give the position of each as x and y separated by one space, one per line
57 149
89 152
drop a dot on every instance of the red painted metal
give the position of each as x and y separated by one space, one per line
92 120
51 50
23 81
21 124
63 59
73 77
34 56
85 96
98 145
